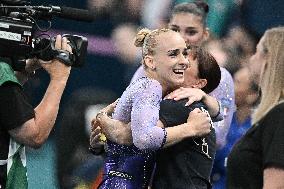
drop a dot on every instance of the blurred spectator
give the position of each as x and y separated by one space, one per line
230 51
246 93
241 41
76 166
226 57
219 15
241 46
155 13
256 161
219 51
123 40
255 68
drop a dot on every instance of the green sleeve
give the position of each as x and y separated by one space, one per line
7 74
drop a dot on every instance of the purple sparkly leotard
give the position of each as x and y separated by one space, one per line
130 167
225 94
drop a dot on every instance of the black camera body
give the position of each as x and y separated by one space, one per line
16 37
18 30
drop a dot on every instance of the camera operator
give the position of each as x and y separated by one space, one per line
19 121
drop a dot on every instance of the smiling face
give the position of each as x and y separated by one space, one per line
190 27
204 72
169 60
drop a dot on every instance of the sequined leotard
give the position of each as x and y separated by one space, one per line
225 94
130 167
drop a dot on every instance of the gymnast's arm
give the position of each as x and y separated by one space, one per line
196 124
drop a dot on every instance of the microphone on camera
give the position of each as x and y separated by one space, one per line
67 12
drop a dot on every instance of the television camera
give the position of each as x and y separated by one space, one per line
21 37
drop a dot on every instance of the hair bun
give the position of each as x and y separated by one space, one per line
202 4
140 37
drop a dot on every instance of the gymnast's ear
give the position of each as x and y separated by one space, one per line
149 62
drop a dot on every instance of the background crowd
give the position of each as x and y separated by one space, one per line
235 25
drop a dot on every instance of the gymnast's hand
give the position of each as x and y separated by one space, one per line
97 138
114 130
198 123
193 95
96 141
105 111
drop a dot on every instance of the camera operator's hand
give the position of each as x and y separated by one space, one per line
58 70
54 67
35 131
